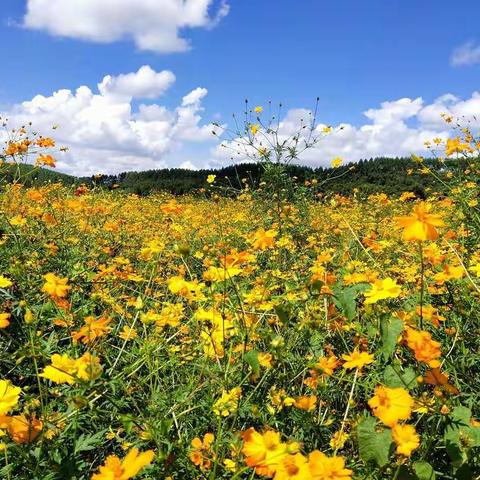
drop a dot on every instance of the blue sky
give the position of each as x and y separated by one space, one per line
353 54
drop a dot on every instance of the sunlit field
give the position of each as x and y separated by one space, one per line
278 332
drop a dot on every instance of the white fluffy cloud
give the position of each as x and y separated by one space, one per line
113 130
398 128
154 25
465 55
106 134
146 83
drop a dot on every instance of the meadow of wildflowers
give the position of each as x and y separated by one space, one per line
275 333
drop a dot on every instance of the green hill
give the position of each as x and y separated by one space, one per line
392 176
29 175
388 175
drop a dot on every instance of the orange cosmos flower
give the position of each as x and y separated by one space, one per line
4 320
23 429
437 378
425 349
327 365
45 142
201 453
132 464
47 160
306 402
93 329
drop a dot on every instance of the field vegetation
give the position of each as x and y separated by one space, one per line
283 331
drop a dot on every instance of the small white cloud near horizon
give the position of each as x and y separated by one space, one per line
153 25
466 55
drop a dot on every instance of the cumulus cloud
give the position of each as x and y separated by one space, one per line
466 55
103 130
146 83
398 128
114 129
154 25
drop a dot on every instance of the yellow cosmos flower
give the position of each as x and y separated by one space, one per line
293 467
336 162
218 274
338 439
228 402
327 468
132 465
390 405
55 286
455 145
263 451
421 224
9 396
258 109
264 239
382 289
406 439
254 128
5 282
18 221
357 359
127 333
211 178
64 369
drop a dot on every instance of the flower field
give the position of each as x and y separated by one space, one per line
239 338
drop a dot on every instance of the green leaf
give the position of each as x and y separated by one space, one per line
423 471
393 377
373 445
405 474
464 473
462 414
344 299
283 313
316 342
390 329
458 423
85 443
251 358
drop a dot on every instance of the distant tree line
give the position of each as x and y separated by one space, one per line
387 175
392 176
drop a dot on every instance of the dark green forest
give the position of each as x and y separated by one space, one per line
392 176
